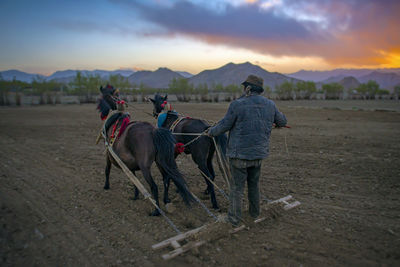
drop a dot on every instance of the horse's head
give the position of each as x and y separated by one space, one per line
159 103
108 100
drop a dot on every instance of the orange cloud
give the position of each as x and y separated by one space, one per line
358 32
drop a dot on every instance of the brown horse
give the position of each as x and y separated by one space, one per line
138 145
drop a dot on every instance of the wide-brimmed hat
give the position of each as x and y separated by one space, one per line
254 81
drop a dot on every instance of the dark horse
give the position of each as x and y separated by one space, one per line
138 145
202 149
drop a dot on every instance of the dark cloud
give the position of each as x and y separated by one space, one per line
349 31
244 22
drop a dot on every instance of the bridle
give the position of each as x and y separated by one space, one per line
155 113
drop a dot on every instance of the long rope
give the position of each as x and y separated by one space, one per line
287 150
194 139
210 122
204 207
222 164
214 184
145 112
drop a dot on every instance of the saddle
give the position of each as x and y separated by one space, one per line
119 121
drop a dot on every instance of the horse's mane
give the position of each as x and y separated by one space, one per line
105 103
104 108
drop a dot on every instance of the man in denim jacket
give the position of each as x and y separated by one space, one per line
249 121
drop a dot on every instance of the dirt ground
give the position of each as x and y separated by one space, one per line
342 165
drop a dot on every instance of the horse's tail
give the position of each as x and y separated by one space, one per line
164 143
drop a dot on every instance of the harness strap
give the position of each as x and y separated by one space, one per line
116 131
175 123
102 131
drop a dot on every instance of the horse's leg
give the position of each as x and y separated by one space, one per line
153 187
210 166
166 181
136 196
210 187
200 157
107 172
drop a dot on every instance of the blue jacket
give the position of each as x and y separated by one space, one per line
249 121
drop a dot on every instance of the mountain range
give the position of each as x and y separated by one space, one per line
60 76
386 80
236 73
154 79
348 82
320 76
228 74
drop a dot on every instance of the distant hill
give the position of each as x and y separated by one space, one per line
185 74
9 75
159 79
334 79
64 80
318 76
68 75
64 76
236 73
349 83
385 80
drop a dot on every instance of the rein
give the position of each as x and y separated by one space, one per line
145 112
176 122
194 139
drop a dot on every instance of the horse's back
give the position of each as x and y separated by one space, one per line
193 126
137 141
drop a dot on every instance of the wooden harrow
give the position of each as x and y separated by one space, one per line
178 249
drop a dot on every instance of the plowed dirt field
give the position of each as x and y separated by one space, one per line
343 165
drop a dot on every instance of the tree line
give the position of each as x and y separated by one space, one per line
285 91
87 87
308 89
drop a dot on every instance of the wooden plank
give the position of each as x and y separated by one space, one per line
260 220
175 244
179 237
282 199
237 229
182 249
291 205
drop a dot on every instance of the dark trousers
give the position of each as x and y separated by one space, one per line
242 171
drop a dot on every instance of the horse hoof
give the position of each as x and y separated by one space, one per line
155 213
106 187
215 207
170 208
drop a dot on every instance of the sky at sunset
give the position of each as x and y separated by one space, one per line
194 35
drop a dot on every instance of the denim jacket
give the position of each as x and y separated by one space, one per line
249 121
